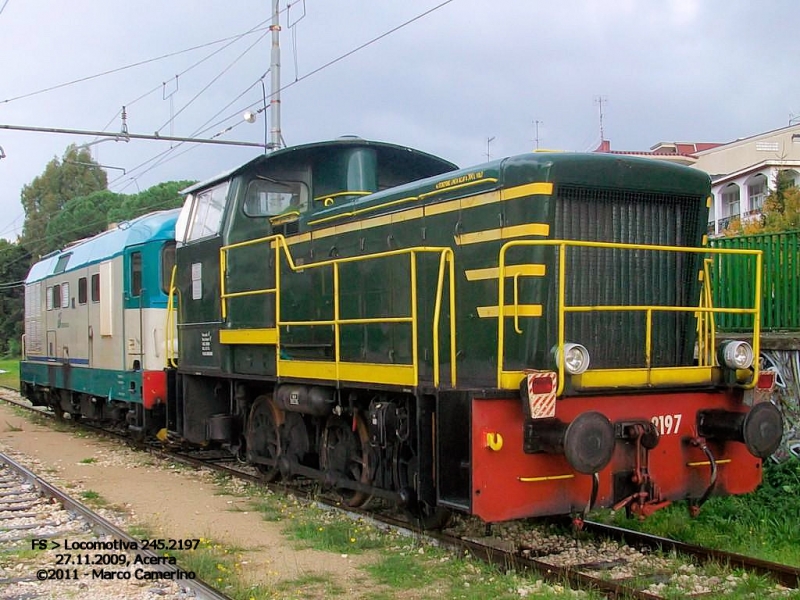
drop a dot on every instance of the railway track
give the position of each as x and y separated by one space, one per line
632 566
77 547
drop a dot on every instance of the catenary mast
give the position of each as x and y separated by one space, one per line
275 70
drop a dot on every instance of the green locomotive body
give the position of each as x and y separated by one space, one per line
373 317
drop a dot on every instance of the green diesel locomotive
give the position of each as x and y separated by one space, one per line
531 336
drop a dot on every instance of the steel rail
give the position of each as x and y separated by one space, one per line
785 575
99 524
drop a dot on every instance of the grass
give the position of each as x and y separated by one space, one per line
763 524
88 461
436 573
396 565
93 498
221 567
315 528
11 376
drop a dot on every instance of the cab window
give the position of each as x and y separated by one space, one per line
205 215
272 198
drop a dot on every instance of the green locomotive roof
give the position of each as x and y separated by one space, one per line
415 163
562 168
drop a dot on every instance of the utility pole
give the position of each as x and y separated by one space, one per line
536 133
275 70
489 140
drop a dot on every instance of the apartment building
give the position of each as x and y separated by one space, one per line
744 171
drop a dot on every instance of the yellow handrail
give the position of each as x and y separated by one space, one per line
279 244
705 310
169 333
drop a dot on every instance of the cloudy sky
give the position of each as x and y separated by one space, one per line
447 82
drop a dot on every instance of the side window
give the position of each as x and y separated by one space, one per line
96 287
271 198
61 264
167 264
82 291
65 295
206 216
56 296
136 274
49 295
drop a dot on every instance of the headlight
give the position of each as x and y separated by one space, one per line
736 354
576 358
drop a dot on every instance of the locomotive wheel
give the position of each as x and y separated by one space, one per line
263 437
345 453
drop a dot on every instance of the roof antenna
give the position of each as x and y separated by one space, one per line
599 100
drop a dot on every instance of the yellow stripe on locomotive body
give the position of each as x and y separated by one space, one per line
507 265
502 233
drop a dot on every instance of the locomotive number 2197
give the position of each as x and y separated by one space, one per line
667 424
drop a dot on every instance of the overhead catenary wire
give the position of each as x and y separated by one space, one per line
298 80
213 80
170 153
258 27
328 64
131 66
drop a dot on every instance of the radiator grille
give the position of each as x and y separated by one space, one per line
601 276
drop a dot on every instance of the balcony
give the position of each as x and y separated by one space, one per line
752 215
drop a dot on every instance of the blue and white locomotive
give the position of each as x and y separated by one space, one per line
97 335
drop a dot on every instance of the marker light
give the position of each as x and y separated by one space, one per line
736 354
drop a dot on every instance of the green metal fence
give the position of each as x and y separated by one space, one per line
780 286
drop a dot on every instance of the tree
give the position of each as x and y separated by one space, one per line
159 197
89 215
14 262
81 218
782 206
61 181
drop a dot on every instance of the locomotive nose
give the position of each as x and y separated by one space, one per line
760 429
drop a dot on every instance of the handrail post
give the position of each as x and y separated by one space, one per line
648 338
562 292
453 350
336 316
223 266
516 304
414 316
501 300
